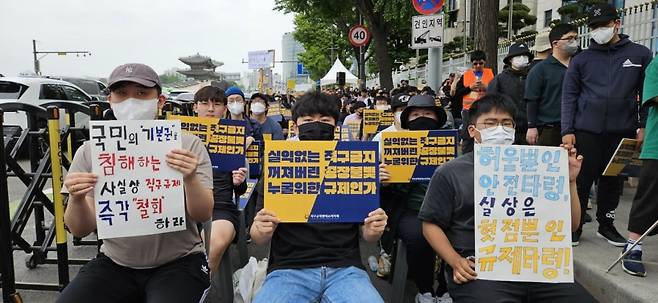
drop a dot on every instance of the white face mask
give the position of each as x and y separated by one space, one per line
135 109
603 35
236 108
398 116
257 108
520 62
499 135
382 107
571 48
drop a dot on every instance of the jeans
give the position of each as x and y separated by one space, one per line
320 284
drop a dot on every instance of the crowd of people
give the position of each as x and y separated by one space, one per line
554 94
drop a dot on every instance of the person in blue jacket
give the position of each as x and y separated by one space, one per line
600 106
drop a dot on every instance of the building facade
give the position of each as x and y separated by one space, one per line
291 49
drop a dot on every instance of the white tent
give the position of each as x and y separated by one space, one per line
330 77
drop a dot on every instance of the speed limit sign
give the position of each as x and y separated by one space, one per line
359 35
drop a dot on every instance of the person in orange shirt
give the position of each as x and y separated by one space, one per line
473 84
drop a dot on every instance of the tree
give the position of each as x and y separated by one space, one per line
486 35
319 38
171 76
577 9
521 18
456 46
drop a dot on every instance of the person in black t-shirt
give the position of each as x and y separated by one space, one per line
448 216
315 262
210 102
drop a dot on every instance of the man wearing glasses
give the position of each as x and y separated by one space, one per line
474 82
600 106
543 93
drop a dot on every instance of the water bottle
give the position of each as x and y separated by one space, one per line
372 262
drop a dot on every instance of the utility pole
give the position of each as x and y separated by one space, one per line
37 65
362 63
509 19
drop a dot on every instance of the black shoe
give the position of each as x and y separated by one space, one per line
575 237
588 218
610 233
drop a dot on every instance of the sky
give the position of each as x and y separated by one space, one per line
153 32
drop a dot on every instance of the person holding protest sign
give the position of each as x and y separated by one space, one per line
259 105
236 108
210 102
403 201
357 113
398 105
167 267
315 262
448 215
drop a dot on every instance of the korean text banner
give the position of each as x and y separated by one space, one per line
522 214
625 160
254 157
244 199
137 193
412 156
321 181
374 120
225 139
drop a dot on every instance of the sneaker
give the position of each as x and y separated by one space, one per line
588 218
610 233
575 237
384 266
632 263
444 299
425 298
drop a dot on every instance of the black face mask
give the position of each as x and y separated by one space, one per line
316 131
424 123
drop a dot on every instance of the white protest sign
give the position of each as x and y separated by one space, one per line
522 214
427 31
261 59
137 193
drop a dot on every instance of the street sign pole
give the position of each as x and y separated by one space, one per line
434 62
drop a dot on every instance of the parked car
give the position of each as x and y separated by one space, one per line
93 88
37 91
185 97
174 93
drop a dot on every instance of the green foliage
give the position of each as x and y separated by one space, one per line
457 44
521 18
577 9
171 77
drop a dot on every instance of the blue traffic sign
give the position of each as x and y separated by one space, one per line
301 70
428 7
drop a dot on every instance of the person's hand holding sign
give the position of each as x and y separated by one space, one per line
264 225
463 270
239 176
575 163
183 161
79 184
383 173
374 225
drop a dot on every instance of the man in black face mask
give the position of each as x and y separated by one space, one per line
309 262
421 114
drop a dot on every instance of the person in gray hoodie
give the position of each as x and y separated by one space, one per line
600 106
511 82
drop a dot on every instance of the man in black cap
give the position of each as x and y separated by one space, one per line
511 82
421 113
600 106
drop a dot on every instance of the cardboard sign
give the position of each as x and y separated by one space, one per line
321 181
522 214
412 156
137 193
374 120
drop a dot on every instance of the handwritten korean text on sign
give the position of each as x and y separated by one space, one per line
522 214
137 193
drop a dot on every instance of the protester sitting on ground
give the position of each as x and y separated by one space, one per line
315 262
168 267
357 108
448 217
259 105
403 202
236 108
210 102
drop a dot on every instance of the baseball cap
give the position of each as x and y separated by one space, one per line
601 13
399 100
134 72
